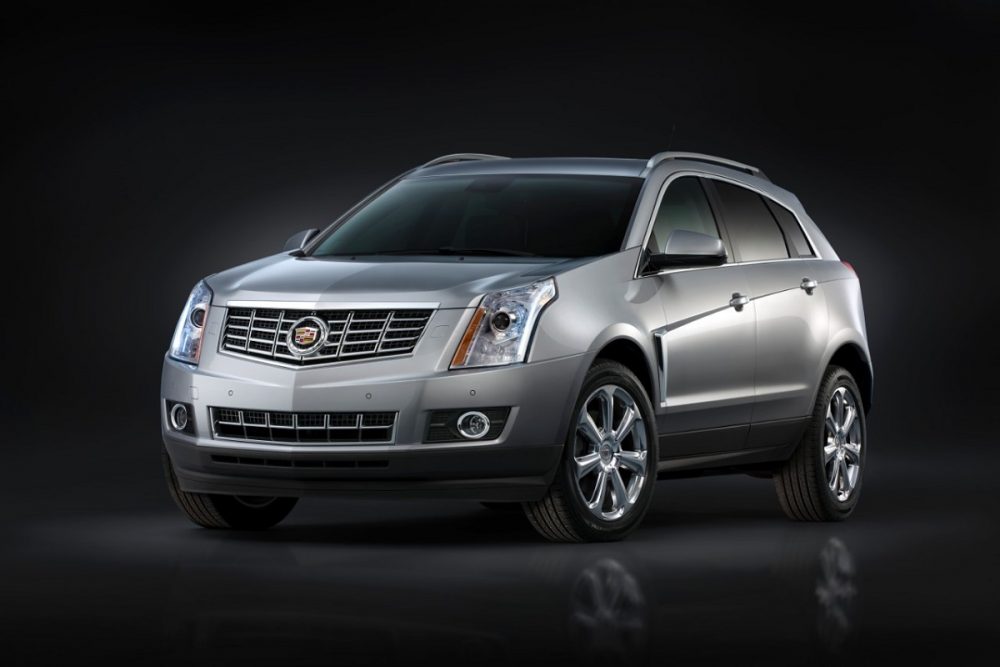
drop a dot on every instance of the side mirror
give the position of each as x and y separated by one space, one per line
686 248
298 241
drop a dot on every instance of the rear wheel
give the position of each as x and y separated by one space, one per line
605 482
822 479
218 511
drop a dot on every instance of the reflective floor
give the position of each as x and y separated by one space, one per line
716 574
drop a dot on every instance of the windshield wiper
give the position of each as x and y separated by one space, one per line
449 250
397 251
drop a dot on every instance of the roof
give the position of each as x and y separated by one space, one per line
584 166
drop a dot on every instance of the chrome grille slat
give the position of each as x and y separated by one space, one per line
246 342
354 334
339 428
277 330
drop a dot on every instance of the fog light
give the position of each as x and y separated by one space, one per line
473 425
179 417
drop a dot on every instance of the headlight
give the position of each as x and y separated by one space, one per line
501 327
186 344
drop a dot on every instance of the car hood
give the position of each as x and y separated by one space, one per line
451 282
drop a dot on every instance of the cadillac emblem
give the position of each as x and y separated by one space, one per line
306 336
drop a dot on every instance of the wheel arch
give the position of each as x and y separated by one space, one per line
624 344
630 354
854 358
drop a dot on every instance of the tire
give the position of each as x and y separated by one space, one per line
563 515
805 483
217 511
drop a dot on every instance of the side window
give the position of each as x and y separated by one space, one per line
684 206
796 238
753 231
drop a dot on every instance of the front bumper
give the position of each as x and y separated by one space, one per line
517 465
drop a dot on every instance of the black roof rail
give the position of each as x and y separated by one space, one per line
461 157
701 157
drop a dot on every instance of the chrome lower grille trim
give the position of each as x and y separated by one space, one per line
308 428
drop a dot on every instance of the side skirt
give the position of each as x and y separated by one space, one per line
766 444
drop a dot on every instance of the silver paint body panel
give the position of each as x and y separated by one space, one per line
710 365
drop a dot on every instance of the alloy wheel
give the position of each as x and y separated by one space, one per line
610 452
842 443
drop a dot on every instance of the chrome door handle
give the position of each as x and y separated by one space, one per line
808 284
739 300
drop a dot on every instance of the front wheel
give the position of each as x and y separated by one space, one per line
822 479
217 511
605 481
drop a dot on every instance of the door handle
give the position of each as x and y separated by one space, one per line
808 284
739 300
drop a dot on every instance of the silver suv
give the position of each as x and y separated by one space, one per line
559 333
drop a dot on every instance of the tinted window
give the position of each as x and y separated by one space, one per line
684 206
794 236
544 215
752 229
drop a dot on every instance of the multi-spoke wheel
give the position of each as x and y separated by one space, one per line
610 452
822 479
842 448
605 483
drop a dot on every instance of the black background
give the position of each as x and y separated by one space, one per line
142 152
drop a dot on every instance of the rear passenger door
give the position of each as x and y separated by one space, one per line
792 322
707 346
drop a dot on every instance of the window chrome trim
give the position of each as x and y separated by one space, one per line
679 269
725 179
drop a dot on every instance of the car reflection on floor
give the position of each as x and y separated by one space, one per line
836 594
608 617
714 576
611 618
619 604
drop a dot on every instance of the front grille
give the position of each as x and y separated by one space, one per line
353 334
339 428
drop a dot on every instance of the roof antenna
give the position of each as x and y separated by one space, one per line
670 141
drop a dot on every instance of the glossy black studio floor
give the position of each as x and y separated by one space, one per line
715 574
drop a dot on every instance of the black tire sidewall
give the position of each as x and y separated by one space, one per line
586 524
241 516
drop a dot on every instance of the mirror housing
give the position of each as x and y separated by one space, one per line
685 248
299 241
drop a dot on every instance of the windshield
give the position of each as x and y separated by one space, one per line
516 215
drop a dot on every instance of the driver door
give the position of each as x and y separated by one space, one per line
707 347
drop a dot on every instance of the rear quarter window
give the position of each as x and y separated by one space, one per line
798 245
753 231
